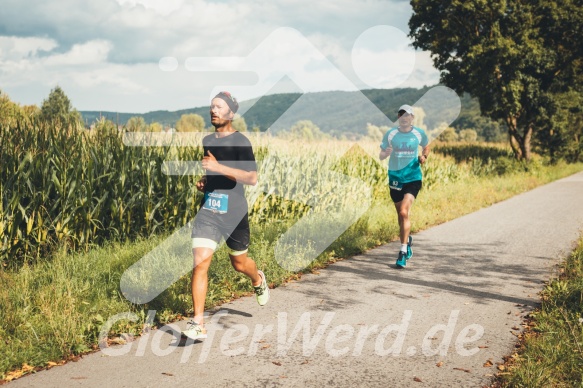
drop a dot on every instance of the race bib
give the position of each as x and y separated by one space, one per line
395 185
217 203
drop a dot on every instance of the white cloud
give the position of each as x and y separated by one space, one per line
107 52
88 53
117 77
162 7
84 66
382 57
136 18
15 48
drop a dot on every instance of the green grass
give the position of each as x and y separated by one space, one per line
551 354
55 309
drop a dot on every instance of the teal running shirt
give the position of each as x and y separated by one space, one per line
404 163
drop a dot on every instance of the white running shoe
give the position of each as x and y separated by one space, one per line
262 291
194 331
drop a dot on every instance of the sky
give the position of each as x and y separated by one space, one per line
138 56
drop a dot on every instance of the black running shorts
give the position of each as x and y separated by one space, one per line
408 188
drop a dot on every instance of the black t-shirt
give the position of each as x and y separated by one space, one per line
235 151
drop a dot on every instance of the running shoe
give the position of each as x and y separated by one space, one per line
262 291
402 260
409 249
194 331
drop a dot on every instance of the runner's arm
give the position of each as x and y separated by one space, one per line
234 174
385 153
424 154
210 163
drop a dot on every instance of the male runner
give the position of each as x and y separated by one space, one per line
405 177
229 163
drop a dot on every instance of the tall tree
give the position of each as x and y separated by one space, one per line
515 56
57 108
562 136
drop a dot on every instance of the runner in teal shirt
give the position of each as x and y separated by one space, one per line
405 178
404 162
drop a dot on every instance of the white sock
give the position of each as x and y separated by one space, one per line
404 248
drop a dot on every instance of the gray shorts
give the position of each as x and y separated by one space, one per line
208 226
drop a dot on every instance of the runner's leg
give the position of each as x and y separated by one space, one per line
403 209
202 262
238 243
244 264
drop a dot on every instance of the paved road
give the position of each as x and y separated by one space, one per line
362 322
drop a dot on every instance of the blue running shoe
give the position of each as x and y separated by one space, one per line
409 249
402 260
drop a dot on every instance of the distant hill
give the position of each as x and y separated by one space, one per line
163 117
333 112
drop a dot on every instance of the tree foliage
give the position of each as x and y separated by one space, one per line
155 127
57 109
191 122
516 57
468 135
11 113
239 124
136 124
374 132
448 135
470 118
305 130
563 137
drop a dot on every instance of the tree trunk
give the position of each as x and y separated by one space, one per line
520 143
514 145
525 145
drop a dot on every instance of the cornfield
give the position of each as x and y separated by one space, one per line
292 186
69 188
63 187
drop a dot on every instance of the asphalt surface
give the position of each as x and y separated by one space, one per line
362 322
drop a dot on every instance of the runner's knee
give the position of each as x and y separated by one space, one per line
202 249
238 261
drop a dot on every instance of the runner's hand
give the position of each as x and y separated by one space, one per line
385 153
200 185
210 163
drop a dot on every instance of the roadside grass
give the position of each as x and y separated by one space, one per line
55 309
551 352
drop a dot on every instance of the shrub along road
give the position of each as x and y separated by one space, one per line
445 320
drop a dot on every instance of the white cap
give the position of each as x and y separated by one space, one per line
406 108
